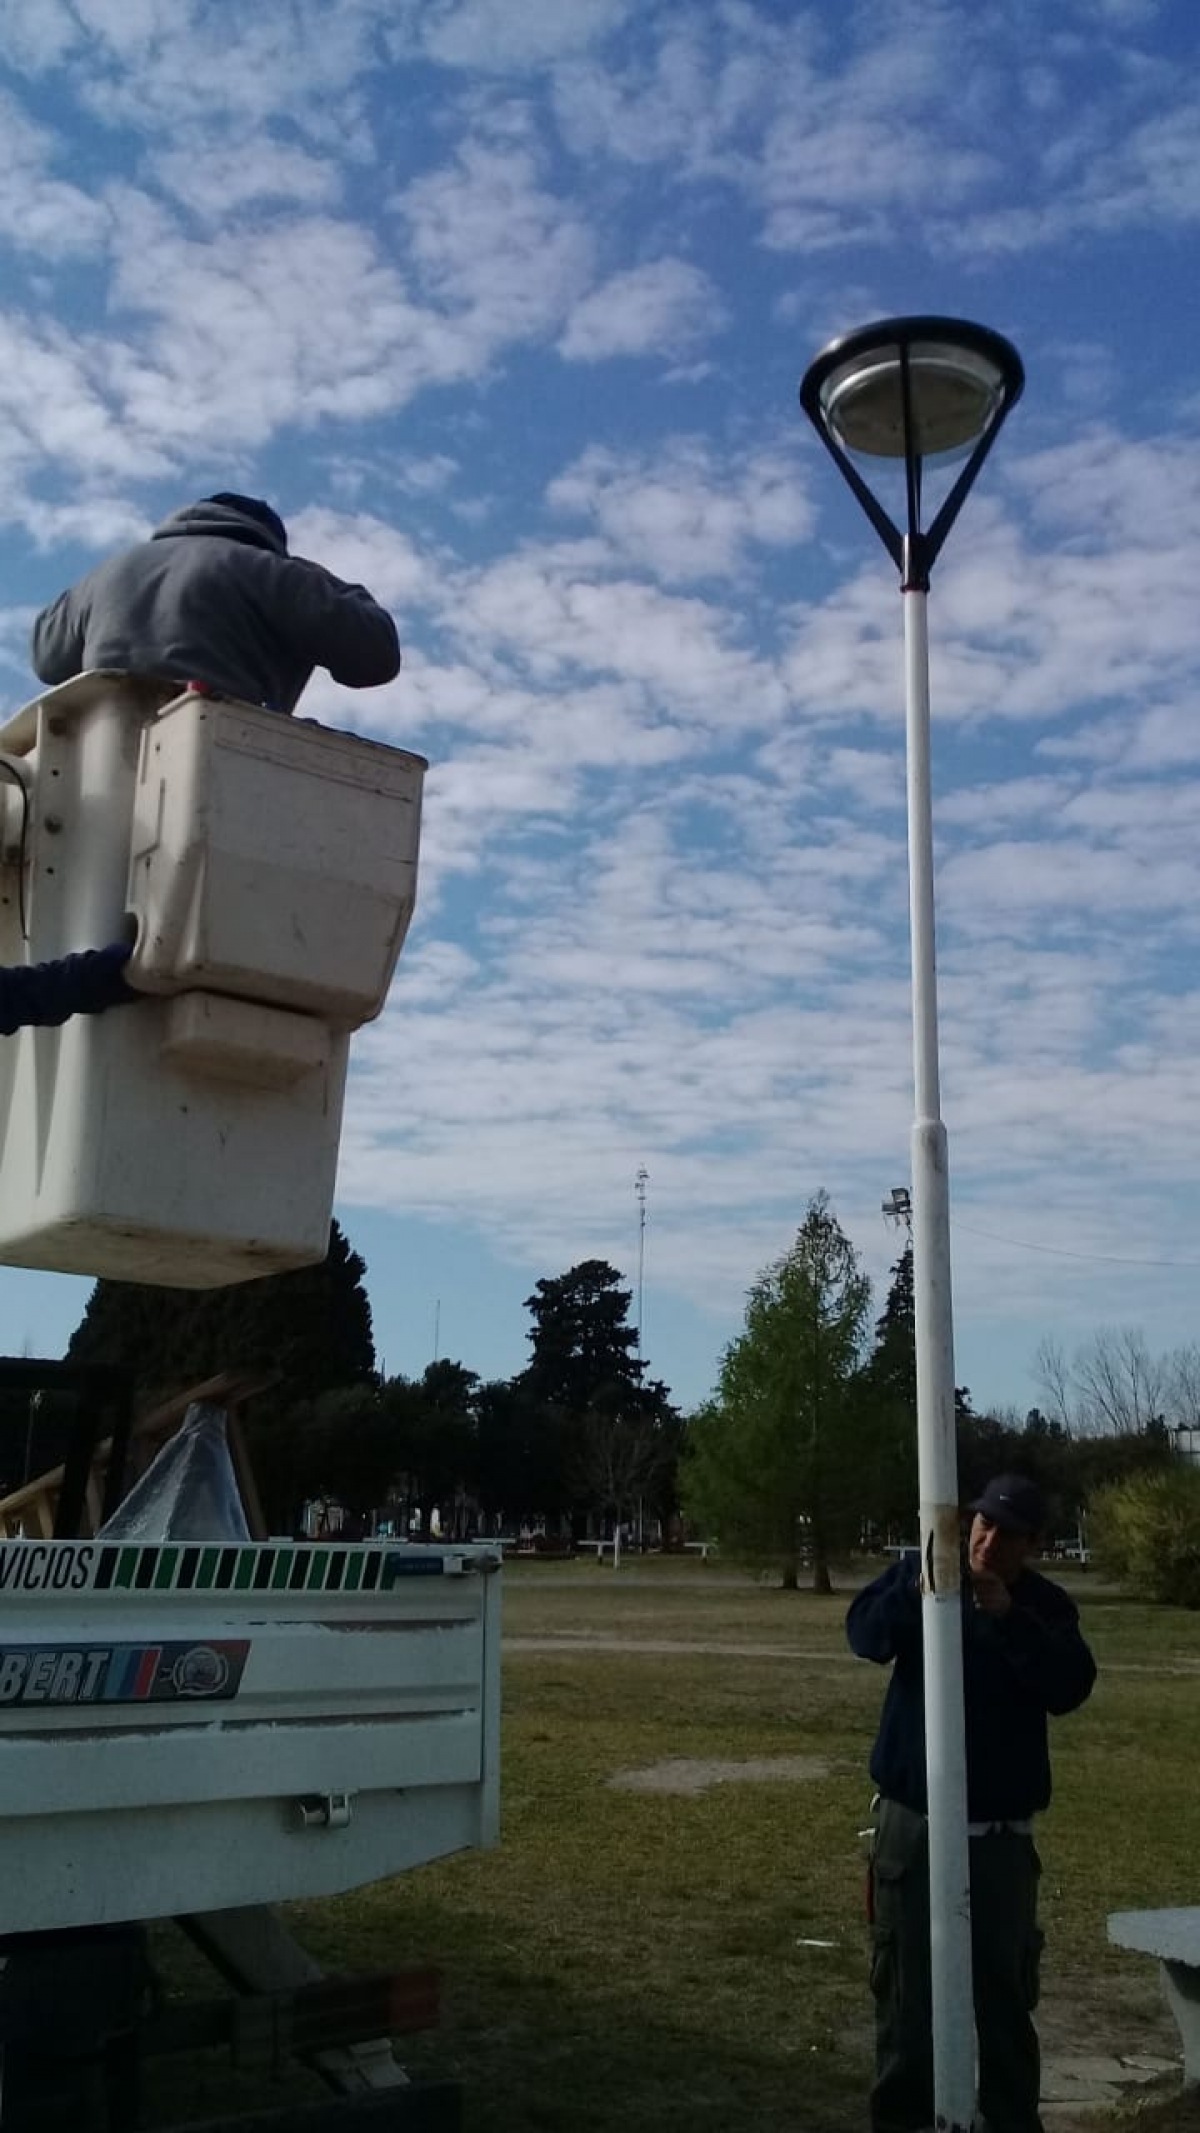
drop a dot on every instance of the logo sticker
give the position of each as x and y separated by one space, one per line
121 1673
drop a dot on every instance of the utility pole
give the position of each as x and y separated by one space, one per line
639 1186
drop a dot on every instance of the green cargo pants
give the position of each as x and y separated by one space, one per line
1005 1951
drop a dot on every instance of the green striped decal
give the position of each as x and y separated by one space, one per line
262 1567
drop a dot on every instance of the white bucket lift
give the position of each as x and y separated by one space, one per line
269 868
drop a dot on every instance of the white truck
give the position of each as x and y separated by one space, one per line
188 1727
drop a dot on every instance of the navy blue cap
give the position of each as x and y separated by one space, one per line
1014 1503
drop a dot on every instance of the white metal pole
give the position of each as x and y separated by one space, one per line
945 1745
97 868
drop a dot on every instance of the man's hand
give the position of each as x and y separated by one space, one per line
990 1592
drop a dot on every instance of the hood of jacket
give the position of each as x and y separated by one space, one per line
222 521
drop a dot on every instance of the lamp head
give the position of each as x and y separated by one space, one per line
912 389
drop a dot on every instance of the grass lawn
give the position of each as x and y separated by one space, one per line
629 1959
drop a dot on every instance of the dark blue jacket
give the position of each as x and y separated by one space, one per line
45 994
1017 1668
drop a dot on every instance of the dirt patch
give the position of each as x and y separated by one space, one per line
684 1774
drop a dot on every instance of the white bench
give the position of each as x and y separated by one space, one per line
1174 1937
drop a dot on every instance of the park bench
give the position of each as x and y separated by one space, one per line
1174 1937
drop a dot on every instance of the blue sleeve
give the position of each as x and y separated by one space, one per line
885 1618
41 995
1047 1653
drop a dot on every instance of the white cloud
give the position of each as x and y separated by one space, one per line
663 308
663 896
217 180
237 340
143 63
829 143
40 213
683 515
552 613
58 408
493 247
503 35
303 317
690 100
365 551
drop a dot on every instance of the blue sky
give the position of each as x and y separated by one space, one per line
505 307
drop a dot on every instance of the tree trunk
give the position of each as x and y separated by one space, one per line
822 1582
791 1573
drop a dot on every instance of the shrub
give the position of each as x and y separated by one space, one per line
1147 1531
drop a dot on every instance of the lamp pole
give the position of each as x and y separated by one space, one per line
915 389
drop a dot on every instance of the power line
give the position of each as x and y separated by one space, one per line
1059 1251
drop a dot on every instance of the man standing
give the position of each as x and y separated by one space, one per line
214 597
1023 1657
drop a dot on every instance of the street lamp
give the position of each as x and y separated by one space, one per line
918 389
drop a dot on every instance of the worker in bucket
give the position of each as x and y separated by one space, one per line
213 597
42 995
1023 1659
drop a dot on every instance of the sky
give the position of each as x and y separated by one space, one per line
505 307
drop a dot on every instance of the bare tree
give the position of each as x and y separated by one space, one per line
1120 1386
620 1458
1053 1374
1182 1369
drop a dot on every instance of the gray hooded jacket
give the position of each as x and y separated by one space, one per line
214 596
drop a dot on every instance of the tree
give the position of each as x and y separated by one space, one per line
312 1325
620 1460
888 1416
1182 1371
1113 1385
434 1437
1147 1530
520 1453
587 1412
773 1458
584 1352
341 1445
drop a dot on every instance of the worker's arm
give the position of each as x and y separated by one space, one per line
41 995
341 627
58 639
885 1619
1044 1647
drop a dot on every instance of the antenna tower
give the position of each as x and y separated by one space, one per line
639 1186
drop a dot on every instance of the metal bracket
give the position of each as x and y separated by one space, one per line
331 1810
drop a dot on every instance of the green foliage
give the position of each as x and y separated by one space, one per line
340 1445
433 1436
312 1325
591 1432
520 1452
887 1413
584 1353
1147 1531
773 1457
